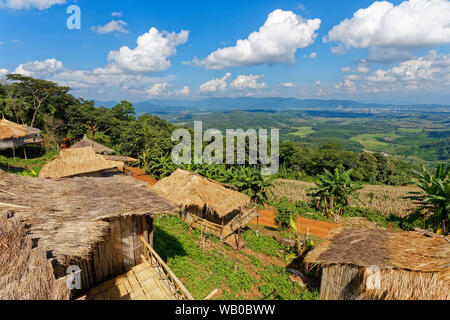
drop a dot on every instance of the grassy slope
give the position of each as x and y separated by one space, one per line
258 272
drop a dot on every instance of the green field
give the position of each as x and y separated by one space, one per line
303 131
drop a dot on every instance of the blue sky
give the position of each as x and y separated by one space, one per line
391 52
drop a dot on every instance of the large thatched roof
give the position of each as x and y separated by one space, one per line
189 190
413 265
98 148
73 162
12 130
68 216
25 273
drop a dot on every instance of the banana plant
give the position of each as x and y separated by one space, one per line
435 195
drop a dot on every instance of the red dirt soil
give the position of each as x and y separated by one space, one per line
141 175
317 228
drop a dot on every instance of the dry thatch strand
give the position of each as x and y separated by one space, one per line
25 273
120 158
11 130
412 265
73 162
188 190
98 148
68 217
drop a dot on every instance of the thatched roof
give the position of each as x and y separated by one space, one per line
12 130
121 158
413 265
73 162
25 273
189 190
68 216
98 148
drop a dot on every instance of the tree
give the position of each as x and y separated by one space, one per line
124 111
333 191
435 195
39 90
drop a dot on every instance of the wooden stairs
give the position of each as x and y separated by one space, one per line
235 241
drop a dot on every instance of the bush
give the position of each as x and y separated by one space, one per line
285 212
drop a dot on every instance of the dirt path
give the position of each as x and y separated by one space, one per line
141 175
316 228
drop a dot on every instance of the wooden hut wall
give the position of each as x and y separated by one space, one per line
118 253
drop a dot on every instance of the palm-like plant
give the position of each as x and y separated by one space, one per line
333 191
435 195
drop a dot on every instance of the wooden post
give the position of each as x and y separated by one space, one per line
151 231
25 151
14 151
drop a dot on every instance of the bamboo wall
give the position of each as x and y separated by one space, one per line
340 282
120 251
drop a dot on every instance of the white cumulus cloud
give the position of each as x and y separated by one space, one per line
244 82
151 54
287 85
27 4
40 68
276 42
394 29
218 84
112 26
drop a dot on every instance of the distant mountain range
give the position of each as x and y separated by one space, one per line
266 104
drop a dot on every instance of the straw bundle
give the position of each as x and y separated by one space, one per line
73 162
25 273
412 265
188 190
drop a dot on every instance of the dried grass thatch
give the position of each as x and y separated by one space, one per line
98 148
11 130
74 162
120 158
68 217
188 190
25 273
412 265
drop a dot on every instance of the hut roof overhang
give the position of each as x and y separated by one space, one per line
73 162
69 216
11 130
98 148
189 190
25 273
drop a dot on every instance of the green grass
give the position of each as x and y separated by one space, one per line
31 166
239 275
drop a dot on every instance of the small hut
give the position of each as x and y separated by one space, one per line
25 272
104 226
98 148
77 163
372 264
207 204
13 135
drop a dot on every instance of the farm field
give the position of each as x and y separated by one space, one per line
385 199
375 131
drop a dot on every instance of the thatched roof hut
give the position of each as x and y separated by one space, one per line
94 223
68 215
25 273
12 134
190 191
378 264
77 162
98 148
